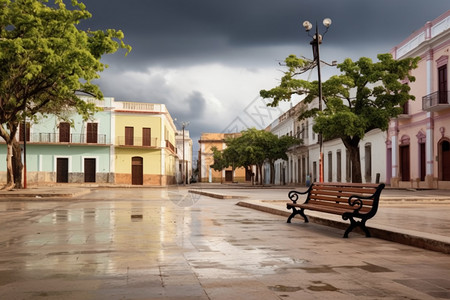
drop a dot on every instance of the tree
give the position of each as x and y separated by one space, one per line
279 150
44 61
364 97
253 148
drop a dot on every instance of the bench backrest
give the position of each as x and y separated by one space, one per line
338 194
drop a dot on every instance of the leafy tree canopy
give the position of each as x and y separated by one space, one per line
253 147
365 96
45 59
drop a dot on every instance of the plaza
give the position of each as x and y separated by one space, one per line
165 243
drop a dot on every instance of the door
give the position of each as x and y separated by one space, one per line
445 154
62 169
64 132
129 136
422 161
89 170
228 176
137 170
404 163
92 129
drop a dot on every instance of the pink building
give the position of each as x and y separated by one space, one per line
418 141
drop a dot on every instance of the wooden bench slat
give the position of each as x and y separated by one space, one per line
329 206
366 202
346 191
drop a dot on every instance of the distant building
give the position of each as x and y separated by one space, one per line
206 159
418 141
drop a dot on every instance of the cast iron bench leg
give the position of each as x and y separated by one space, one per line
297 212
353 224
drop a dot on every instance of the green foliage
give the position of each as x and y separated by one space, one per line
45 60
365 96
253 147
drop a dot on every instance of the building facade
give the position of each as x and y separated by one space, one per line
206 159
63 152
418 142
126 143
145 152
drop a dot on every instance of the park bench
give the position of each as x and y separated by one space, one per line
350 200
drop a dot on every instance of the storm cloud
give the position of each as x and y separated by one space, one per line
207 60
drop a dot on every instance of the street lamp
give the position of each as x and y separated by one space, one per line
316 41
184 124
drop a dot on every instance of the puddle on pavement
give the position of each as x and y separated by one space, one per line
283 288
319 286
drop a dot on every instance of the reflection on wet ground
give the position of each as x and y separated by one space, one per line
149 244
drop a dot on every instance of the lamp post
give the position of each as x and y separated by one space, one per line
315 43
183 125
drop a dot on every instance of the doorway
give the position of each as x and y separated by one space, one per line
62 169
404 163
137 170
89 169
445 160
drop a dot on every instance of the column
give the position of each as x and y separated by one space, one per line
429 146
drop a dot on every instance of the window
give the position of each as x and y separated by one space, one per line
129 136
405 108
92 129
348 166
146 136
64 132
338 166
442 82
330 166
368 162
23 132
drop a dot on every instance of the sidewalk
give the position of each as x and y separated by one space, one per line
419 218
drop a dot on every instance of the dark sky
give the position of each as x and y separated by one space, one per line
207 60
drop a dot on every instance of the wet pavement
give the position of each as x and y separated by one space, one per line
128 243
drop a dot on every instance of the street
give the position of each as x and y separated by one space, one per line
156 243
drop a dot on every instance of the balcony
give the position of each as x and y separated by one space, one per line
74 138
123 141
436 101
171 146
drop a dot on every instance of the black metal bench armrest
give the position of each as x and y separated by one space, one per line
293 195
356 200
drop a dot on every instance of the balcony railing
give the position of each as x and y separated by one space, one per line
171 146
436 101
74 138
137 141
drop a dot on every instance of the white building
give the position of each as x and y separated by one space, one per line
184 155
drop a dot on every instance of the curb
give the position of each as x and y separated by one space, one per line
214 195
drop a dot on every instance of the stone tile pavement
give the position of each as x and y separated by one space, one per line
141 243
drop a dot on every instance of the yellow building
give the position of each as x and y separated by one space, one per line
144 147
205 160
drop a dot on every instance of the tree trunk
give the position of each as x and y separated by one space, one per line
9 169
272 172
352 145
260 167
17 164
